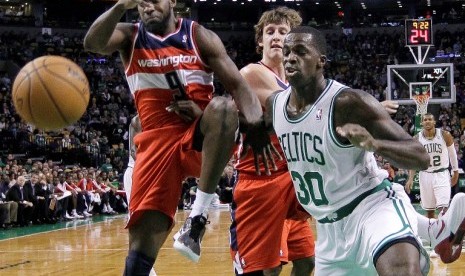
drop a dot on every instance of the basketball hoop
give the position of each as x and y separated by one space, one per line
421 101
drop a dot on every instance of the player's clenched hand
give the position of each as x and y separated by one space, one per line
259 140
131 4
188 110
358 136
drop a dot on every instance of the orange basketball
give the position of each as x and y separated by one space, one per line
51 92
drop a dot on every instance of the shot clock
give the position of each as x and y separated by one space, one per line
418 32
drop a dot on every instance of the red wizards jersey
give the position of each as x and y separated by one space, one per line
162 69
247 165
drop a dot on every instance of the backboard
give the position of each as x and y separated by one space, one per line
406 79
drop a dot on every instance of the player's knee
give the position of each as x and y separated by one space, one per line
275 271
149 232
303 266
221 113
399 258
223 109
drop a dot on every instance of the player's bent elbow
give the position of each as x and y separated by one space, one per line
92 47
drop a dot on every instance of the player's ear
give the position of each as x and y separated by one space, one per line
260 43
172 3
322 61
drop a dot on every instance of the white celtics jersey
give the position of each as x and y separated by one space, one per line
131 162
327 174
437 150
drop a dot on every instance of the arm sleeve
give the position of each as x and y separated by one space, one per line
453 157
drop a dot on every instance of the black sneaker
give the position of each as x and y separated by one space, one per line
188 239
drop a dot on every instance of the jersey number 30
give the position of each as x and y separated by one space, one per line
310 187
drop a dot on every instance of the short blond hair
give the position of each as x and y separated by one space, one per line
275 16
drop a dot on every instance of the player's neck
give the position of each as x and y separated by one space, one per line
429 134
303 100
164 28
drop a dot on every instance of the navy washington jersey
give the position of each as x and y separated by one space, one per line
161 69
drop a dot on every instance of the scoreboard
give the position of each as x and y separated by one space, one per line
418 32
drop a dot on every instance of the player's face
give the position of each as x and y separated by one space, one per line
273 39
157 13
302 62
428 122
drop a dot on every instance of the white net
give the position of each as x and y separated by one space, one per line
422 103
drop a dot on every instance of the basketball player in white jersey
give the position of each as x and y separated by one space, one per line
328 133
134 129
435 181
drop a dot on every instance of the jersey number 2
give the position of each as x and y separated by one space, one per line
310 187
436 161
175 84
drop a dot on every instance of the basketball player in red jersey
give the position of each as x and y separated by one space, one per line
266 204
169 64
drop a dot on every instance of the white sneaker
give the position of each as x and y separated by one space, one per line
111 211
76 215
188 239
104 209
448 231
86 214
67 216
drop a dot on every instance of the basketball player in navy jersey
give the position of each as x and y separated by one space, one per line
170 61
328 133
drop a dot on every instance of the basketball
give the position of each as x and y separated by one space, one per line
50 92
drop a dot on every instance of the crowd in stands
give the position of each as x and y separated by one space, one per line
34 192
95 149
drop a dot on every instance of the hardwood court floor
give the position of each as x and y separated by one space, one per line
99 246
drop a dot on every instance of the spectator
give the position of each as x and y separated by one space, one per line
25 206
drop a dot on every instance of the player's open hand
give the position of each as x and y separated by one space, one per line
188 110
259 140
358 136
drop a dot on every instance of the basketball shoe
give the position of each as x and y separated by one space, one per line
188 239
448 231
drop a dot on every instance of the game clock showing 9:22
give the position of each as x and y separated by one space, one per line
418 32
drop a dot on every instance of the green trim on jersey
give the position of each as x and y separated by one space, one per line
331 129
329 82
403 219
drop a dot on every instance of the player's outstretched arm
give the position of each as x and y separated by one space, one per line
361 120
106 35
214 54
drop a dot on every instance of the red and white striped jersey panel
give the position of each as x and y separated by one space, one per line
152 59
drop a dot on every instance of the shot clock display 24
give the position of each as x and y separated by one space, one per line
418 32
